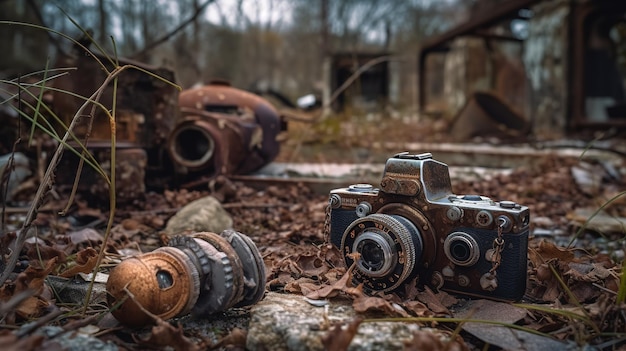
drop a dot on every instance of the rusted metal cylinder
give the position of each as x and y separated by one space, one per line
197 145
201 273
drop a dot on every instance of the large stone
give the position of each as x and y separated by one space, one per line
202 215
289 322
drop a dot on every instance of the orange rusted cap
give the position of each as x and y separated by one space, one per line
164 282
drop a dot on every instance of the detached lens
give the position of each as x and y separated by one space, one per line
202 273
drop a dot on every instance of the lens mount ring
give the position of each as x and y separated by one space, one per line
462 249
404 243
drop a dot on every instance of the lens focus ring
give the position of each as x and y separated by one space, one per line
389 246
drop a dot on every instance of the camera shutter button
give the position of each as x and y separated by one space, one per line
507 204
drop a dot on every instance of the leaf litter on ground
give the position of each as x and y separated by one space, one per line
571 292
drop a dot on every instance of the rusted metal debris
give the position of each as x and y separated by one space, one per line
202 273
163 138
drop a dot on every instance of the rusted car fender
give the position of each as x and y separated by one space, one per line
223 130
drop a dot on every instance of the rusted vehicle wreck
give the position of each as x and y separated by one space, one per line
166 138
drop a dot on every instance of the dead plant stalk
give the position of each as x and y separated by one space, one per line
46 183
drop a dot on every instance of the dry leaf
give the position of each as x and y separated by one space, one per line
433 301
417 308
426 340
165 334
235 339
548 251
10 342
364 304
342 285
86 260
311 265
338 338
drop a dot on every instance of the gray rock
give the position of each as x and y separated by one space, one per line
543 222
289 322
74 291
73 340
588 178
205 214
503 336
600 222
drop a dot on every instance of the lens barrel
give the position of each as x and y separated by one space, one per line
388 246
201 273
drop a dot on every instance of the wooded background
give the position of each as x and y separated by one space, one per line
278 44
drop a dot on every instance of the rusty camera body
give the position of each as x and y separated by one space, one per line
415 229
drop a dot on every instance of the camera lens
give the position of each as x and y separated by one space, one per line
377 258
388 247
462 249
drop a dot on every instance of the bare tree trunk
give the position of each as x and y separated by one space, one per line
325 58
102 28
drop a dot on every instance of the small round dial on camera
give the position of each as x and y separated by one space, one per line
461 249
388 247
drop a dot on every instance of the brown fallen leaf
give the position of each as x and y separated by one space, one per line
42 251
338 338
547 251
11 342
434 301
302 286
32 279
236 339
165 334
312 265
426 340
365 303
417 308
342 285
86 260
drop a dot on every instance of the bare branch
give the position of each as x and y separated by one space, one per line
180 27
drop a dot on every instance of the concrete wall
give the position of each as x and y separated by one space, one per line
546 62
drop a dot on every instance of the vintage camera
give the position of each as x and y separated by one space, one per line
415 227
200 273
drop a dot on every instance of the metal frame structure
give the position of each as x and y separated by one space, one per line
580 12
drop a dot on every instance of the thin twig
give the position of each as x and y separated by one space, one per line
180 27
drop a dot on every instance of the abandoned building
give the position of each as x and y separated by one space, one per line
558 67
